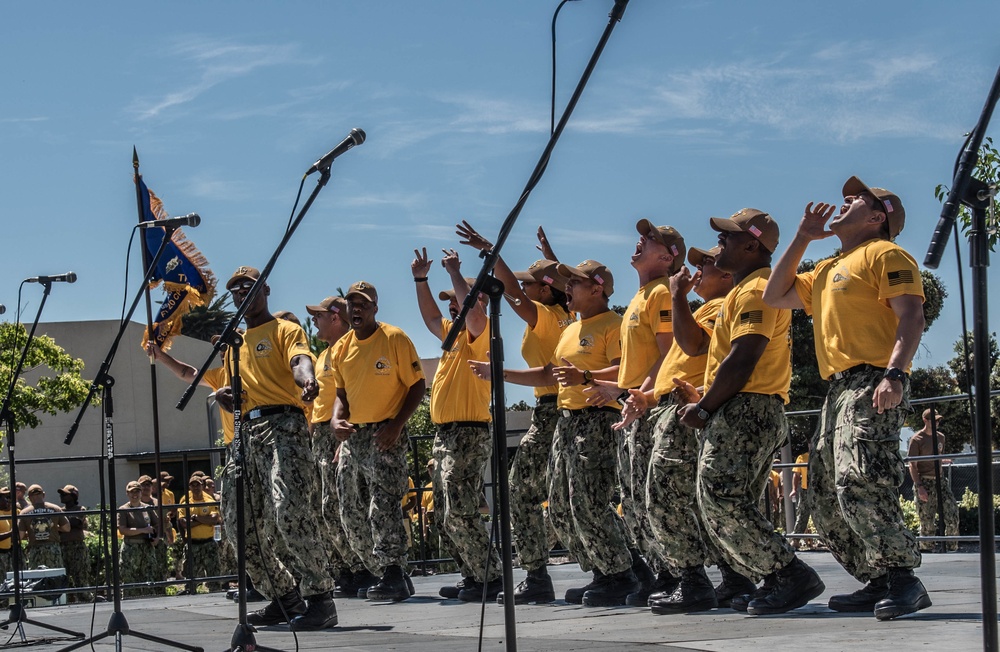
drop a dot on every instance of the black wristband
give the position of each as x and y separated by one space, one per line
419 279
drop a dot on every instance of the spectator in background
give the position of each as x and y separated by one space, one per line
140 537
43 523
6 531
22 502
76 556
198 519
924 474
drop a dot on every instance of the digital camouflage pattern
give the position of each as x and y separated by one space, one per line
137 562
48 555
582 474
529 488
462 454
76 558
927 511
634 448
671 496
342 557
738 445
201 559
855 469
282 503
371 485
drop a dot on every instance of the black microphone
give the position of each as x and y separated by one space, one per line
356 137
3 309
191 219
68 277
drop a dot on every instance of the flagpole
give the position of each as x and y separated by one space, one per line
152 363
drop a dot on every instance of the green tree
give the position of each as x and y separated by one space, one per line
987 170
202 322
56 384
940 381
957 365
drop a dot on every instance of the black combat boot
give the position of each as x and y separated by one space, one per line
392 586
646 578
611 590
575 596
361 581
663 587
451 592
733 584
535 588
478 591
740 602
272 614
796 585
321 613
906 594
864 599
694 593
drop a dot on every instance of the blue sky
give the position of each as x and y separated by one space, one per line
697 109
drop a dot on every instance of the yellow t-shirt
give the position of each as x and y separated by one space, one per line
217 377
198 530
427 497
589 344
322 406
648 314
680 365
265 363
539 342
5 521
803 471
852 321
456 393
376 373
745 313
408 495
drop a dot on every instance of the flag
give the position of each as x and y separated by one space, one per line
182 270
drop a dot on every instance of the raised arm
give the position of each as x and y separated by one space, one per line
475 320
518 300
691 337
780 291
429 311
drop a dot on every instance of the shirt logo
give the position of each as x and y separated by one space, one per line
382 366
900 277
665 316
416 365
263 348
587 342
751 317
634 316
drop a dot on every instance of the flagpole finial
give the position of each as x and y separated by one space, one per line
135 159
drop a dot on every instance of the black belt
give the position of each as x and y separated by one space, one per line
548 398
593 409
451 425
5 551
840 375
271 410
359 426
195 542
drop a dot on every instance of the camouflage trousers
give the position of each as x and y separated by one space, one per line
45 554
342 557
927 510
738 445
137 563
855 469
671 496
201 559
803 510
282 504
371 484
76 558
581 484
462 454
6 563
634 446
529 488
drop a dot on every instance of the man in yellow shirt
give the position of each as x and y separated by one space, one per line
380 383
800 496
331 322
926 485
198 520
460 409
742 418
538 297
867 309
6 532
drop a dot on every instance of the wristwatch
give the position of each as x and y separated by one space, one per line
587 377
894 373
703 414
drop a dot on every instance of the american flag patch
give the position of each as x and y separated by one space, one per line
597 277
755 231
548 279
665 316
752 317
888 205
900 277
673 250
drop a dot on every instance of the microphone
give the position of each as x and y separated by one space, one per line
68 277
356 137
191 219
3 309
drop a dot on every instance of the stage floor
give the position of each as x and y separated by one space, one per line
426 623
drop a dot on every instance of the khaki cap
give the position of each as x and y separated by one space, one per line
750 220
4 491
890 202
667 236
447 295
329 304
196 478
133 485
287 315
543 271
69 489
241 273
35 489
365 289
593 270
143 479
696 256
927 415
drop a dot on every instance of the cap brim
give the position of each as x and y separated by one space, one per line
231 282
525 277
724 224
855 186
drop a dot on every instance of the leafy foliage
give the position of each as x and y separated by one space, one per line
58 384
987 170
205 321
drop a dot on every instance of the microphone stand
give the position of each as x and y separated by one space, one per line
118 625
975 194
243 639
494 289
16 615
